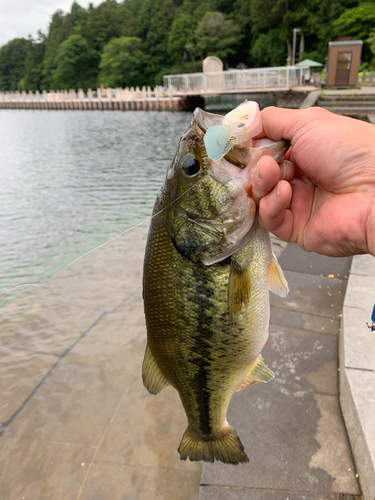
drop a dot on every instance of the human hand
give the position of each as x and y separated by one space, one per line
328 206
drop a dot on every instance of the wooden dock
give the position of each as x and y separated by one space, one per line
126 99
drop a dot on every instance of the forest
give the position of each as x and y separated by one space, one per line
136 42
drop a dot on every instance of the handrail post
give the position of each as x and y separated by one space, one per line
170 98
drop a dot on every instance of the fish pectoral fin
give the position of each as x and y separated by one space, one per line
153 378
238 288
276 279
258 372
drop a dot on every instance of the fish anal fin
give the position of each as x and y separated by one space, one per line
239 287
227 449
258 372
153 378
276 279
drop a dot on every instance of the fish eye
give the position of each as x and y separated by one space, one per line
190 166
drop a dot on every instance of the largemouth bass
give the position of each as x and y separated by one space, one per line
207 273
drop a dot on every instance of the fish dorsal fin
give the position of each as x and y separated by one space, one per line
153 379
276 279
238 288
258 372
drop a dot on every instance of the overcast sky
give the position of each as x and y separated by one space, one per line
19 18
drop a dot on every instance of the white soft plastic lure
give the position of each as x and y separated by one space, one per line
237 129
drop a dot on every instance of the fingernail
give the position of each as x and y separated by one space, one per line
276 191
284 170
257 175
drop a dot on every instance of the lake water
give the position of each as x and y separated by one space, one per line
71 180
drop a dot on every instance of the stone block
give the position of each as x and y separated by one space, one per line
49 328
304 321
357 397
37 470
358 340
79 397
296 259
114 481
311 99
360 293
292 427
233 493
149 441
21 372
363 265
312 294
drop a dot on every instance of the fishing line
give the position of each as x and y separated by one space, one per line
100 246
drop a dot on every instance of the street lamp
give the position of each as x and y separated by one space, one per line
295 31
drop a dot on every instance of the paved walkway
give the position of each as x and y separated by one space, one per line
292 428
76 422
363 90
357 369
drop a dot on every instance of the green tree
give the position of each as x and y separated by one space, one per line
12 63
57 33
76 64
371 42
155 20
61 27
35 50
181 39
129 14
103 23
268 50
122 63
175 36
241 16
273 22
358 23
216 36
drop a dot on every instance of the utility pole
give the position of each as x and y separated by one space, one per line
295 31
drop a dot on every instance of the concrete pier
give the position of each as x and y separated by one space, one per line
143 99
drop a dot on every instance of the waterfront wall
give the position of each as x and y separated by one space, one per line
159 99
123 99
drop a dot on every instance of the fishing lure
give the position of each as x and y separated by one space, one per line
237 129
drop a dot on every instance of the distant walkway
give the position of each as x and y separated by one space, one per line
126 99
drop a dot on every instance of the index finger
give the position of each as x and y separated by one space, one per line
277 122
290 124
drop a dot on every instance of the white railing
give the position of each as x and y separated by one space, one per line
233 80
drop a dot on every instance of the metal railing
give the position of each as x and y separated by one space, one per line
232 80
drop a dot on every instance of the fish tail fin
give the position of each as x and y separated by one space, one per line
227 449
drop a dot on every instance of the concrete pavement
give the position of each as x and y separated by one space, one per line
357 369
76 422
292 428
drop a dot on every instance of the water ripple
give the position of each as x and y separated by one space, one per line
71 173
